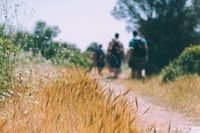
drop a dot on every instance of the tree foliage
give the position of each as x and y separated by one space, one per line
43 35
168 25
41 41
92 47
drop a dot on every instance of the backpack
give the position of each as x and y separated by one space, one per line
115 51
139 48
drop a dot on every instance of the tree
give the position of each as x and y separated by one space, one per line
168 25
43 36
41 40
92 47
1 31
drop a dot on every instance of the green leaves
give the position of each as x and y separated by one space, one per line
187 63
42 41
7 64
168 25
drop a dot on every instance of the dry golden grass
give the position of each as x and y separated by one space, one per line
182 95
69 101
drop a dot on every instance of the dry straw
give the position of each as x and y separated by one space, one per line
69 102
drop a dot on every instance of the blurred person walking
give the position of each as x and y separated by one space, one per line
115 55
138 56
98 60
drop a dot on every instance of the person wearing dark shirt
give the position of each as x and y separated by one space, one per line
115 54
138 56
100 59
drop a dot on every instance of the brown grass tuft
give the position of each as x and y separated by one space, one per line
67 102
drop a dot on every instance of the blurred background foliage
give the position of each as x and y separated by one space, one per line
42 41
168 25
186 64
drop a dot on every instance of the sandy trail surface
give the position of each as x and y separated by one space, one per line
155 116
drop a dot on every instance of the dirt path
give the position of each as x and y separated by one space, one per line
159 117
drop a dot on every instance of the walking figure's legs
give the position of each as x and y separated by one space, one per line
143 74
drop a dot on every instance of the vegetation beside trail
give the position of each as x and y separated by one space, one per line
8 53
181 95
59 104
42 42
186 64
37 96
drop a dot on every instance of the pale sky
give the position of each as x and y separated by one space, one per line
80 21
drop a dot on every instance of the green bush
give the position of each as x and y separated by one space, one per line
187 63
7 64
70 57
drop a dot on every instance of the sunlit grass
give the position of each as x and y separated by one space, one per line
68 101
